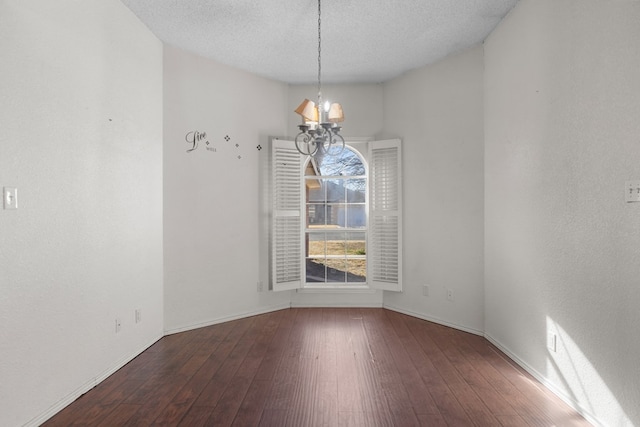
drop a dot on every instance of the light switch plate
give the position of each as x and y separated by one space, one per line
632 191
10 197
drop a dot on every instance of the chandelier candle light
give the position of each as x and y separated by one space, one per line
319 130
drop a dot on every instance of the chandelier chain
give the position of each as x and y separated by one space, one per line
319 53
322 137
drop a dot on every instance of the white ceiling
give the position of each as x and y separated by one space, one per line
362 40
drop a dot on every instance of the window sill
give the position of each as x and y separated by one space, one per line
341 289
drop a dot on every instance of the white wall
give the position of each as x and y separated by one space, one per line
437 111
81 135
212 209
562 136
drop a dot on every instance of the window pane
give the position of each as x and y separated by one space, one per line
356 190
316 243
336 215
339 162
355 244
335 190
336 244
311 169
316 190
356 216
356 270
315 214
336 270
316 271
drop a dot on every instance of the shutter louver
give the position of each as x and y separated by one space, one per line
385 219
287 249
287 232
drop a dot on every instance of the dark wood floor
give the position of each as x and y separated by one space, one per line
321 367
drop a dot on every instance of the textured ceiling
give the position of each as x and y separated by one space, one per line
362 40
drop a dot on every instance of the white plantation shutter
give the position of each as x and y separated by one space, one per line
287 237
384 255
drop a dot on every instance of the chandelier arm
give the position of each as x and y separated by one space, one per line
306 144
334 144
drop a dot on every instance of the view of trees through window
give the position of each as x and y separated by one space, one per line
336 218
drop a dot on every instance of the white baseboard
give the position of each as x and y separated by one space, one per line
223 319
433 319
545 382
71 397
296 304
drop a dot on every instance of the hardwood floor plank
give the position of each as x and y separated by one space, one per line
351 392
96 404
402 344
512 421
370 418
396 368
275 418
229 403
372 398
276 347
304 396
326 407
349 397
452 366
163 396
252 406
119 416
530 398
471 370
196 416
286 373
482 401
187 396
321 367
484 358
431 420
438 377
236 348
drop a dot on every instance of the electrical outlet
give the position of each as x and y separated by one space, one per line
425 290
450 294
118 326
138 315
552 342
10 197
632 191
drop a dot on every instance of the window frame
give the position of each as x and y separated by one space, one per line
386 248
329 285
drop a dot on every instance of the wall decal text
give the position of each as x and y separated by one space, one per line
194 137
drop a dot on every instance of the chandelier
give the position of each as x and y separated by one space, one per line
319 131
